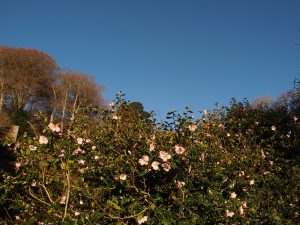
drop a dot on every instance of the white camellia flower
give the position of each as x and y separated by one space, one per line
43 140
154 165
241 210
80 141
179 150
32 148
54 127
144 160
251 182
152 147
164 156
123 176
233 195
76 213
273 128
142 220
166 166
81 162
192 127
229 213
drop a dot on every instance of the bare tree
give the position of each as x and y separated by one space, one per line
73 91
26 76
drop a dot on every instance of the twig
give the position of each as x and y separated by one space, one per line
40 200
129 217
48 194
68 194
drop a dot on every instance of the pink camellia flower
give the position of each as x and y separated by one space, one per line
144 160
76 213
229 213
94 147
179 150
273 128
241 210
192 127
251 182
154 165
43 140
142 220
166 166
233 195
80 141
123 176
54 127
164 156
18 165
152 147
295 118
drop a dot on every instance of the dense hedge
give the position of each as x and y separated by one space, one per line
230 166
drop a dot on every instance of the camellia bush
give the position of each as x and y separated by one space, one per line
229 166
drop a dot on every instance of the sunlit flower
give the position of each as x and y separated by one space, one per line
32 148
154 165
295 118
81 202
123 176
229 213
164 156
96 157
233 195
251 182
179 150
76 213
273 128
81 162
192 127
228 135
62 154
241 173
94 147
33 183
17 217
17 165
63 200
241 210
144 160
180 184
43 140
54 127
80 141
202 157
115 117
263 154
151 147
142 220
166 166
88 141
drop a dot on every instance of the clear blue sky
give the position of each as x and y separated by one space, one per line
165 53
